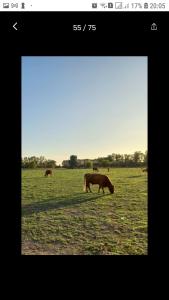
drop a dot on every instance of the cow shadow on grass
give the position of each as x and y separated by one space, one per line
59 202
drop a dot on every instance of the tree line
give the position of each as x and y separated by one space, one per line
137 159
34 162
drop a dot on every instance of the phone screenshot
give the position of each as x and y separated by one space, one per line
85 98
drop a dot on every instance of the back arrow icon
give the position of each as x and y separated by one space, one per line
15 25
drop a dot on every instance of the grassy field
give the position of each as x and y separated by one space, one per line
59 218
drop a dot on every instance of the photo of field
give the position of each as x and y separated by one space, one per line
84 115
59 218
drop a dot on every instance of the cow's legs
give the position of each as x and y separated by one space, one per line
99 189
88 188
103 190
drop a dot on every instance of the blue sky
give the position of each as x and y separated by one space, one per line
87 106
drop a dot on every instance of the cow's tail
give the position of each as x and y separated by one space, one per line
84 186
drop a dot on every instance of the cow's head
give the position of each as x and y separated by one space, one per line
111 188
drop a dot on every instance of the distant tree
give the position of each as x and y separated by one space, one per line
126 159
109 158
117 160
113 157
42 162
105 163
88 164
32 164
138 157
99 162
146 157
50 163
118 157
73 161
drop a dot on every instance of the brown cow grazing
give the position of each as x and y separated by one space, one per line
102 180
48 172
95 169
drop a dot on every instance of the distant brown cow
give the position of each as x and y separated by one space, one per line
48 172
102 180
95 169
145 170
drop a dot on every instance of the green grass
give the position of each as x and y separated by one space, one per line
58 217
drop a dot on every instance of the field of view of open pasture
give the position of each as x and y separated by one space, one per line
59 218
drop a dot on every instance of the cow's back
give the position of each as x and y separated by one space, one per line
96 178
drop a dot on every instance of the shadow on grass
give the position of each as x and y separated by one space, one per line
59 202
46 178
37 177
135 176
